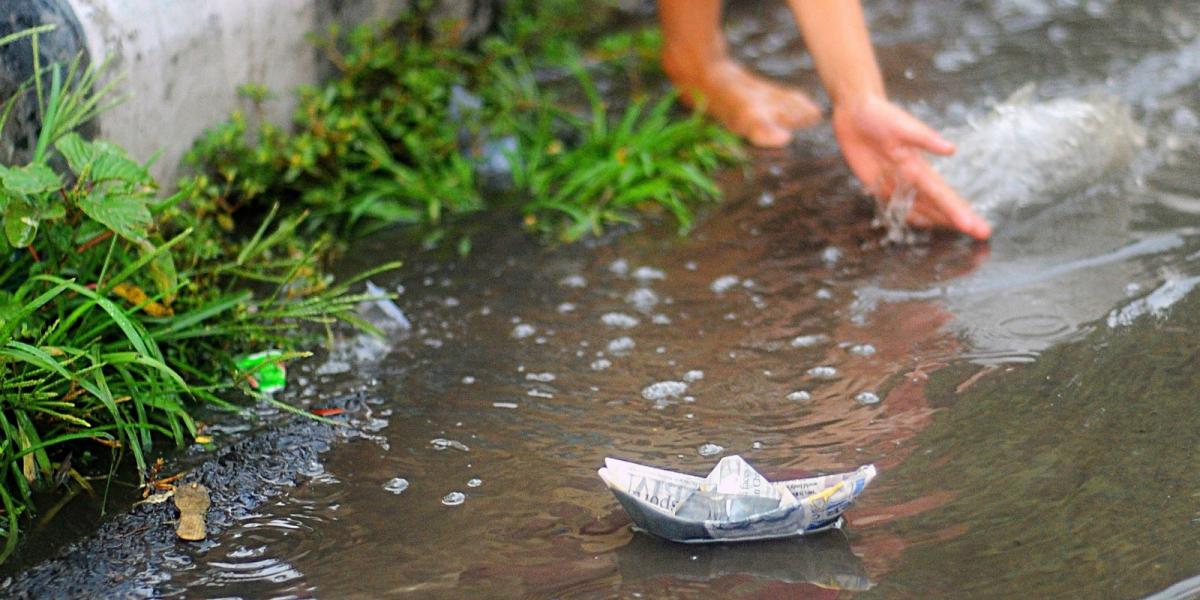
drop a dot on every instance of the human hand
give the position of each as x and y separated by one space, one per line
884 146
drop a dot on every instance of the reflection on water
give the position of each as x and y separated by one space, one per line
1061 465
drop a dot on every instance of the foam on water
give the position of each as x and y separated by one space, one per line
822 372
645 274
663 390
621 344
396 485
723 283
807 341
445 444
643 299
867 398
619 320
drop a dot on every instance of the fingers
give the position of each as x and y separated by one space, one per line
915 133
945 207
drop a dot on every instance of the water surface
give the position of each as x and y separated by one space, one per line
1036 431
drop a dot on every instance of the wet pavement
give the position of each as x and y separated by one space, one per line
1028 402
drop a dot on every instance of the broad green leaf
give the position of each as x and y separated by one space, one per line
30 179
20 224
100 160
124 214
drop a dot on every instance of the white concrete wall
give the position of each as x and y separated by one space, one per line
182 60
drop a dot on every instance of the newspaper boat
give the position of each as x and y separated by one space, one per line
734 503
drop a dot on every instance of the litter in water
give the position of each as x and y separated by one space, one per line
265 373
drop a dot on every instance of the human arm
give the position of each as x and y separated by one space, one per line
882 143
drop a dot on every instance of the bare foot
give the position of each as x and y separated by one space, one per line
751 106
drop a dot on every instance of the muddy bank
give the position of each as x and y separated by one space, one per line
134 554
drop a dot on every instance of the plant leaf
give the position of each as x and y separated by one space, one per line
126 215
30 179
20 223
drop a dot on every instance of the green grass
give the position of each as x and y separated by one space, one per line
121 309
391 139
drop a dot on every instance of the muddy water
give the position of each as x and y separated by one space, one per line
1034 427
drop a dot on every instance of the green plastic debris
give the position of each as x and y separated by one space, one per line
265 374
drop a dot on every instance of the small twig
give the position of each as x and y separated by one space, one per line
84 247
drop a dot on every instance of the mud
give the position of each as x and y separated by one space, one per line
132 555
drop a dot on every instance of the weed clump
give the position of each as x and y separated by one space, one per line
119 308
415 130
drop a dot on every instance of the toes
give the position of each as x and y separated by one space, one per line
795 109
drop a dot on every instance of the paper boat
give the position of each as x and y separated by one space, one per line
734 503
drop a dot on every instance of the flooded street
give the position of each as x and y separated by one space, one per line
1028 402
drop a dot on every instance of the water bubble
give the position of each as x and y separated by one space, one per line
723 283
621 344
693 375
619 267
440 444
862 350
660 350
485 311
523 331
333 367
504 404
474 482
691 265
799 396
642 299
867 398
823 372
454 498
468 380
757 445
451 301
766 199
749 283
644 274
573 281
539 394
807 341
661 319
566 307
831 255
397 485
824 294
664 389
542 377
399 290
621 320
601 364
710 449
